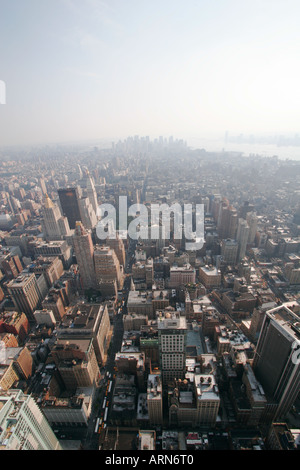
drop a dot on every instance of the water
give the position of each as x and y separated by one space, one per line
265 150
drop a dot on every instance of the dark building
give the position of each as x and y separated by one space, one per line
69 201
276 363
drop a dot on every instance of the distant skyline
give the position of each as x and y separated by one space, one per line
79 70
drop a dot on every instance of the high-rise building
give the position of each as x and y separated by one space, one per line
57 248
117 244
88 215
23 426
76 362
86 321
194 403
155 399
69 201
55 226
210 276
172 331
229 251
43 185
91 191
107 266
10 265
25 294
15 323
51 267
245 208
84 252
149 273
54 302
17 364
252 221
275 363
227 220
242 238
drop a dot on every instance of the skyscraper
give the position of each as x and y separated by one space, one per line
69 201
227 221
91 191
107 266
76 362
276 362
25 294
229 251
88 215
55 226
172 330
118 246
84 252
242 237
252 220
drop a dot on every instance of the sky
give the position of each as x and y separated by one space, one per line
104 69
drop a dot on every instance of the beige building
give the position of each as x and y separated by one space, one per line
88 321
155 399
107 266
117 245
25 294
147 440
52 268
16 364
76 362
229 251
45 317
84 252
182 275
140 302
54 225
194 403
210 276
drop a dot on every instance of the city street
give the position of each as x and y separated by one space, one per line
104 393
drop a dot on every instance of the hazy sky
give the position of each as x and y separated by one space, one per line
91 69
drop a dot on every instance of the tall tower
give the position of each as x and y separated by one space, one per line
43 186
84 252
88 215
229 251
172 331
252 220
118 246
54 225
25 294
276 363
23 426
107 266
91 191
242 237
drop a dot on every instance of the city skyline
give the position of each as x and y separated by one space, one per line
149 227
128 343
91 70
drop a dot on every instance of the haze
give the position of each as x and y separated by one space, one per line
87 69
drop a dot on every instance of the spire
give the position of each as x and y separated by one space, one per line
48 203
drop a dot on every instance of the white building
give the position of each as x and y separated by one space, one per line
22 424
172 331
